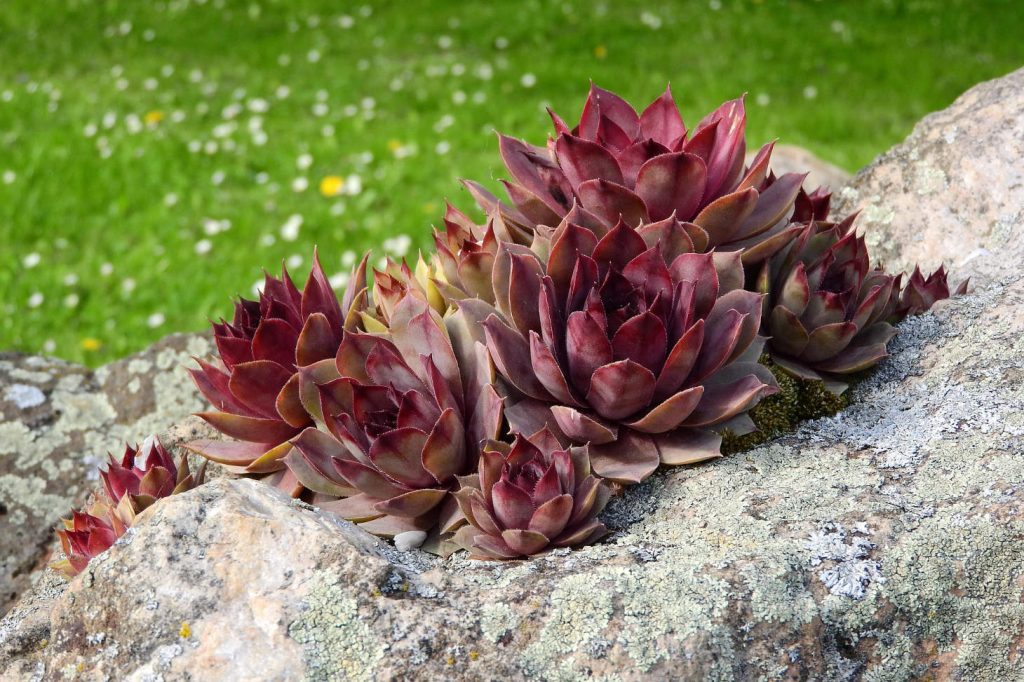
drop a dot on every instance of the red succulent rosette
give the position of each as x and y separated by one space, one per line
404 415
645 168
143 475
528 497
266 353
632 347
465 255
828 311
921 293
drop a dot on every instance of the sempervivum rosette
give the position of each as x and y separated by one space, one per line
637 350
528 497
390 285
144 475
811 206
828 311
405 414
646 168
921 293
465 255
257 390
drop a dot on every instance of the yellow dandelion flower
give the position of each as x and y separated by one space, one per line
153 117
600 51
91 344
331 185
394 145
186 631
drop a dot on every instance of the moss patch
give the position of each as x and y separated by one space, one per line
776 415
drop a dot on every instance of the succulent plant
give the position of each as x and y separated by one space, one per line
269 354
528 497
144 475
638 349
921 293
827 308
645 168
404 414
465 255
811 206
390 285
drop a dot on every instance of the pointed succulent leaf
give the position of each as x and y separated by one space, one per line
620 389
772 205
672 183
582 160
670 413
689 446
724 216
612 202
630 459
661 121
582 428
788 334
551 517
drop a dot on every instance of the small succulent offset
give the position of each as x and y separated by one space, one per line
830 314
269 352
632 347
921 293
645 168
403 417
144 475
528 497
465 254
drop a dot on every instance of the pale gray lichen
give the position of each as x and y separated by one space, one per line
31 493
850 571
930 179
496 620
580 610
337 641
24 396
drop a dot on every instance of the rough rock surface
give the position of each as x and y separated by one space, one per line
58 421
954 190
881 544
787 158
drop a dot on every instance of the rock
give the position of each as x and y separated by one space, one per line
883 543
265 560
953 191
792 159
58 421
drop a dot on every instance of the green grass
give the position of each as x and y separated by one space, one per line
845 79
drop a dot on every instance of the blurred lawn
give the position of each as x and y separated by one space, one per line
154 156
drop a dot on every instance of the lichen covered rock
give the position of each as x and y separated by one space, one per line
953 191
57 422
881 544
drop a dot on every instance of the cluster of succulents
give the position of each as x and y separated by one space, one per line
144 475
639 294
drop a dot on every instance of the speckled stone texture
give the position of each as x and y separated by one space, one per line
954 190
58 421
882 544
